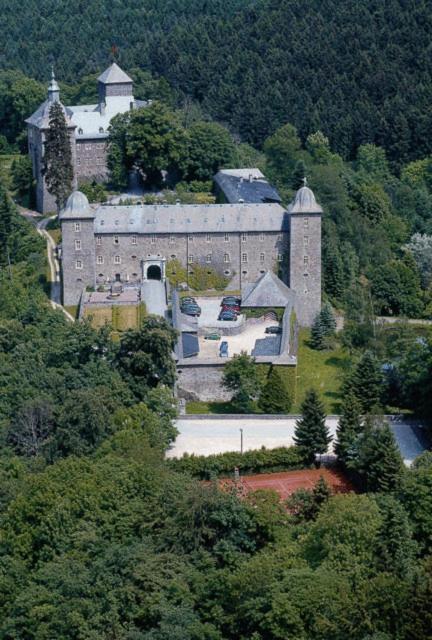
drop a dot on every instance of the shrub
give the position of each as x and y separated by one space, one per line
223 464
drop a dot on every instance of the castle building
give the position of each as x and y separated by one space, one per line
244 240
88 128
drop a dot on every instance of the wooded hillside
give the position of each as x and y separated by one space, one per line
358 71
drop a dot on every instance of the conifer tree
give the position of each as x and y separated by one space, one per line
366 382
299 174
274 397
328 321
317 334
57 163
377 458
311 433
6 223
348 429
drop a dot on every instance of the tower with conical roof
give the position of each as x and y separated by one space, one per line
37 126
305 254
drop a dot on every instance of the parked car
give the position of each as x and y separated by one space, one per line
228 315
212 336
231 307
273 329
191 310
187 300
231 300
223 349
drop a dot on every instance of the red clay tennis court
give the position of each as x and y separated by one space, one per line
287 482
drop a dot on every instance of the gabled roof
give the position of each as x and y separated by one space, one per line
114 75
191 218
267 291
245 185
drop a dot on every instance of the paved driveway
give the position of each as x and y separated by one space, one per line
153 294
204 436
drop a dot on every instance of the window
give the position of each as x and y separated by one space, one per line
88 147
305 222
99 260
262 257
208 258
243 237
78 161
279 257
116 240
190 238
226 237
77 227
78 264
117 260
134 257
226 257
306 240
134 239
80 132
98 240
171 239
77 245
101 130
261 237
244 257
153 239
208 238
306 260
190 259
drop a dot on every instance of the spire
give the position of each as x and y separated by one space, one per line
53 88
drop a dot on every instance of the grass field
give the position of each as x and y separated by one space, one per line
323 370
120 317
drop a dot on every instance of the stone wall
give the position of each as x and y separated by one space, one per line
305 265
91 160
78 259
246 257
202 383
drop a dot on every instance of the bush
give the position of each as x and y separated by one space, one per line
223 464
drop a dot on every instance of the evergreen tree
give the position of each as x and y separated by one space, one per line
274 397
6 220
311 433
317 333
396 546
366 383
328 320
57 163
348 429
377 458
299 174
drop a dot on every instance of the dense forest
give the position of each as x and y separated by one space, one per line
102 538
358 71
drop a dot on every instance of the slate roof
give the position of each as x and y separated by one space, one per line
267 291
190 344
305 202
190 218
247 185
40 118
269 346
77 207
114 75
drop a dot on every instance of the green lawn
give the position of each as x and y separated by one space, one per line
323 370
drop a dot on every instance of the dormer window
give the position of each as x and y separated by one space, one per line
101 130
80 131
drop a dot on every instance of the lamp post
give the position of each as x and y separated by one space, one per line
241 440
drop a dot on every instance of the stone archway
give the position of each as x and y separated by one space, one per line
153 268
154 272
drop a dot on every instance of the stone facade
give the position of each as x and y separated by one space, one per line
242 241
88 126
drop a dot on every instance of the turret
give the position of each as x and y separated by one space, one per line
305 254
78 247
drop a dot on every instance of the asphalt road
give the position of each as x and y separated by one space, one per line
205 436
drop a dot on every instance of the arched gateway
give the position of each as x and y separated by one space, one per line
154 268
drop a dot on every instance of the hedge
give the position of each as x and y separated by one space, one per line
223 464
